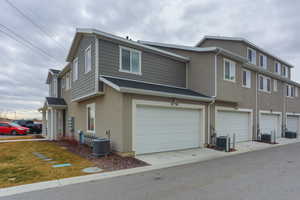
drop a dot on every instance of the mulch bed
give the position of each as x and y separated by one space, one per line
108 163
218 149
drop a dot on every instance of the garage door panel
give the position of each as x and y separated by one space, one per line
230 122
269 123
293 123
166 129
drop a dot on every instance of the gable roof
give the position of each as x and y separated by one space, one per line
138 87
239 39
51 73
198 49
83 31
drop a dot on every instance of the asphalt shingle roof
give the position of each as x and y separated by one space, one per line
153 87
55 101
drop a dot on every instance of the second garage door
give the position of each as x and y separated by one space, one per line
232 122
269 123
159 129
293 123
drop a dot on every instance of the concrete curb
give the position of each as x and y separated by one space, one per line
94 177
23 140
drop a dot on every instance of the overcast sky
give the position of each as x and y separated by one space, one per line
273 25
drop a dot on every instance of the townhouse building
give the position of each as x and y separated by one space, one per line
152 97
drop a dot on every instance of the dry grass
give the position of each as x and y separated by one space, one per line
19 166
20 137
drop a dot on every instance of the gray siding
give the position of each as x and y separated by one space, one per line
85 84
155 68
241 49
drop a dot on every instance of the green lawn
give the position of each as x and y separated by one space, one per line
19 166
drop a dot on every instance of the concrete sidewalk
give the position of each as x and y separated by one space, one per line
158 161
202 154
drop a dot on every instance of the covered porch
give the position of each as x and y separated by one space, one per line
53 113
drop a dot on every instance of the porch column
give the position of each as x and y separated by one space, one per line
44 122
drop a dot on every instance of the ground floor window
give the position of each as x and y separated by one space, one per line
90 109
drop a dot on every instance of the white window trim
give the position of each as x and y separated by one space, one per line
120 60
86 70
93 107
290 91
265 88
68 81
247 85
275 86
286 72
279 68
265 66
75 69
230 63
254 51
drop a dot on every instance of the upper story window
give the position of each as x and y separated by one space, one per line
229 70
275 87
246 78
263 61
88 60
251 55
130 60
264 84
75 69
68 81
53 87
277 68
291 91
285 71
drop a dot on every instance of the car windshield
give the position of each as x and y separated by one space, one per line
14 124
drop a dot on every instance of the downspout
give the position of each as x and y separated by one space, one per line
256 107
210 128
284 116
216 68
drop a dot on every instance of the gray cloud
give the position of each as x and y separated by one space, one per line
273 25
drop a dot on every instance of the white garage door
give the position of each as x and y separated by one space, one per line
293 123
230 122
160 129
269 123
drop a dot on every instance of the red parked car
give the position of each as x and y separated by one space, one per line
12 129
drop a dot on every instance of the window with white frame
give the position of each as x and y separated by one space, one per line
263 61
291 91
277 67
88 60
251 55
130 60
68 81
264 83
229 70
285 71
75 69
275 87
90 114
288 91
246 78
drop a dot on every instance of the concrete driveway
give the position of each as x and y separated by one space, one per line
268 174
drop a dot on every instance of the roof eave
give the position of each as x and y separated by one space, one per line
81 31
164 94
267 73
